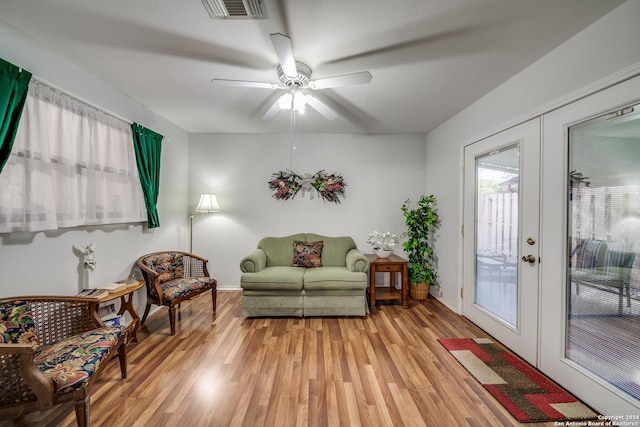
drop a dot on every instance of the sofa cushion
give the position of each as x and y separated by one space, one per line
16 323
276 278
278 249
334 252
307 254
333 278
71 362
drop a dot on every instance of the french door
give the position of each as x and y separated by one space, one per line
551 245
590 280
501 229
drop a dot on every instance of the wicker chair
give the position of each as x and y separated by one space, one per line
52 349
172 277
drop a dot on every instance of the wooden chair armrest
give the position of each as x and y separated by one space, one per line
151 272
9 348
20 357
150 277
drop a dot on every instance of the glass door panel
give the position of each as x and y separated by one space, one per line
497 190
603 272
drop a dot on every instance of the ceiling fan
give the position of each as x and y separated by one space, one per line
295 77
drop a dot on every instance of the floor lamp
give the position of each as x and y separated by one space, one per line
208 204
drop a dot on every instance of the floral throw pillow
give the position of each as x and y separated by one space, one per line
16 323
307 254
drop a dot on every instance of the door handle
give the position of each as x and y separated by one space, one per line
529 258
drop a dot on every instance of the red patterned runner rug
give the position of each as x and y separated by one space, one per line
527 394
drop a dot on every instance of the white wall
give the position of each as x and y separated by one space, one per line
606 51
381 172
44 262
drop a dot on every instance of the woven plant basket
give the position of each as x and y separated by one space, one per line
419 292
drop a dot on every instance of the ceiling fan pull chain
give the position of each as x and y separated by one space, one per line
293 146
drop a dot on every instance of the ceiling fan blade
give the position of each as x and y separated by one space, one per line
272 111
363 77
284 50
244 83
321 108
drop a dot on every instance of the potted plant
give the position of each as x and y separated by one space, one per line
421 222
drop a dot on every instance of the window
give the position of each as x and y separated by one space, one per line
71 165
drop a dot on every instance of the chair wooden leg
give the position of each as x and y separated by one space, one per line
82 412
172 319
122 358
214 298
146 313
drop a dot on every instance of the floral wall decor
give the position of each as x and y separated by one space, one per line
286 184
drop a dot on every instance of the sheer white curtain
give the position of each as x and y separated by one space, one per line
71 165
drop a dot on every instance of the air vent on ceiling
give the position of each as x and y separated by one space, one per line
247 9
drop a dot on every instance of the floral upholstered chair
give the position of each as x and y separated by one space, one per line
172 277
51 351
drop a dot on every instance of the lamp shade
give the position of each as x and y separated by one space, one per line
208 203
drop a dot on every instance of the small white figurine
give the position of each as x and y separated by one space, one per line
89 255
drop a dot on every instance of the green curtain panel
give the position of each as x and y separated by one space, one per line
14 84
148 145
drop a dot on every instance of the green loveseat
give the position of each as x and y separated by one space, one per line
271 286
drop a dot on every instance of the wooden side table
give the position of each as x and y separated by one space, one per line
126 304
392 265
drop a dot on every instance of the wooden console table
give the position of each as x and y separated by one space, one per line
126 304
392 265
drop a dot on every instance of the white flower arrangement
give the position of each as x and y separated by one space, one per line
383 241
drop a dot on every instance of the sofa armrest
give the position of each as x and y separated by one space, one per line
356 261
254 262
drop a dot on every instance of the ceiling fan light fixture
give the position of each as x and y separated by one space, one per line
224 9
296 100
299 101
285 101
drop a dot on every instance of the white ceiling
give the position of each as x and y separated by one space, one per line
429 58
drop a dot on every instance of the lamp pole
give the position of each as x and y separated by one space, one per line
191 233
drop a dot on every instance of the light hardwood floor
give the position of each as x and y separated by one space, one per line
386 369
